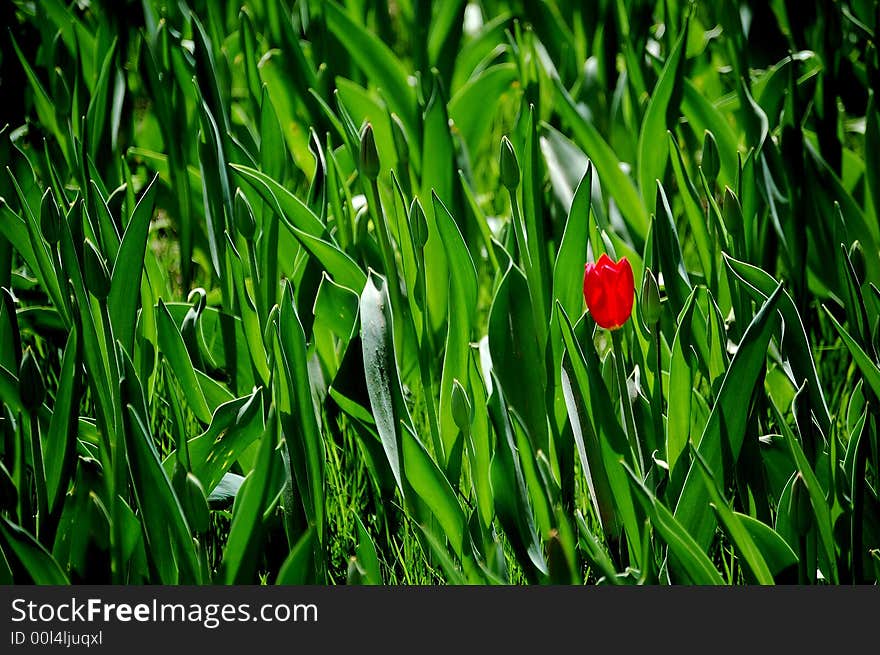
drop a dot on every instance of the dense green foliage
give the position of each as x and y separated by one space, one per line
292 292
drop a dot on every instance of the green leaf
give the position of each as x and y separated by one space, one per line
246 532
818 501
305 226
741 538
367 557
235 425
167 534
702 115
613 179
681 387
512 503
429 484
866 365
35 561
568 272
300 562
296 413
795 344
380 370
778 555
596 414
516 355
462 318
683 548
174 351
659 116
125 280
726 427
59 446
468 109
377 61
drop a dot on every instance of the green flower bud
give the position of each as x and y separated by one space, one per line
401 145
96 273
650 299
509 165
462 411
31 385
733 217
245 222
192 499
711 162
355 574
50 218
857 259
369 155
800 507
418 224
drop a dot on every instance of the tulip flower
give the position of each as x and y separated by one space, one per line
609 290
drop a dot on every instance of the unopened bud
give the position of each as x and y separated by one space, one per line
650 298
401 144
32 386
50 218
857 259
800 508
369 155
509 165
97 277
245 222
462 411
418 224
711 162
733 217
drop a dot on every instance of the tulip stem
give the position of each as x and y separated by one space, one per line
658 382
625 403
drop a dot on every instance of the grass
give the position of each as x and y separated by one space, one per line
292 293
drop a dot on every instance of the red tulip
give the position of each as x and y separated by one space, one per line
609 291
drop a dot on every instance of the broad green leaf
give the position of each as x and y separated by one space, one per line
246 532
296 413
234 426
122 303
59 445
726 427
778 555
795 344
367 556
380 369
305 226
167 534
468 110
703 115
429 484
174 351
516 356
740 536
300 562
377 60
463 303
35 561
660 116
683 548
599 421
512 503
681 388
613 179
818 500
